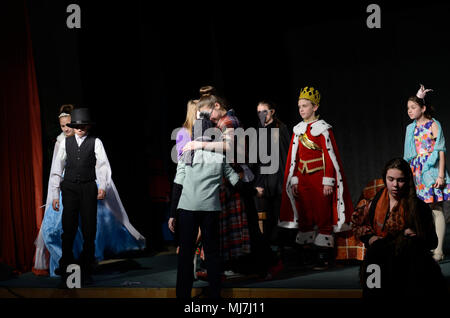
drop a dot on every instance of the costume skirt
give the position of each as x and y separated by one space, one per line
427 194
234 234
112 236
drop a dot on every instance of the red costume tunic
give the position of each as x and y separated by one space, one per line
313 162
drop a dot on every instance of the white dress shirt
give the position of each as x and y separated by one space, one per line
102 167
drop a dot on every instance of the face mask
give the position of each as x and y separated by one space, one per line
204 115
201 126
262 117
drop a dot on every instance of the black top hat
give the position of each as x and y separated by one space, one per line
80 116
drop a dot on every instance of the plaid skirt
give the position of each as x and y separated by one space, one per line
234 234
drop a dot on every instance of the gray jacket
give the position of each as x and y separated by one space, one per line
201 181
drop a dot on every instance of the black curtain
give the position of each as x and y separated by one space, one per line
137 64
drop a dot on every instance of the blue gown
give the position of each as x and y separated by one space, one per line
115 234
112 237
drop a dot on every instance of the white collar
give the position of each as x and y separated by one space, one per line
317 127
80 138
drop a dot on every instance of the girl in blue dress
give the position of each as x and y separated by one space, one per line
425 152
114 235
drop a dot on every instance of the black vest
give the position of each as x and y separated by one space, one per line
80 161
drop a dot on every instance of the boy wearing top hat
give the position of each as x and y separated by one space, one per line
75 174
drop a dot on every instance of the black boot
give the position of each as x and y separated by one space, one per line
324 258
58 271
306 255
86 274
62 284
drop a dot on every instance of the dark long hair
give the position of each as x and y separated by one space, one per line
209 97
409 198
271 106
429 112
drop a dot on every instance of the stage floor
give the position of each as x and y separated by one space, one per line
155 277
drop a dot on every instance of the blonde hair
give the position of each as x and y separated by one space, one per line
191 115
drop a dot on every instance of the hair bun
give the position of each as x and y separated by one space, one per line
207 90
67 108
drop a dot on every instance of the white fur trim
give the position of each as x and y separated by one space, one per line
328 181
288 225
343 228
303 238
291 177
340 184
294 180
324 240
300 128
319 127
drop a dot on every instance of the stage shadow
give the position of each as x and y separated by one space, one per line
118 266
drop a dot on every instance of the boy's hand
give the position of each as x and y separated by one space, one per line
373 239
101 194
171 225
294 189
55 204
327 190
260 192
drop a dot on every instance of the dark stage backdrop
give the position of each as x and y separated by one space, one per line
136 65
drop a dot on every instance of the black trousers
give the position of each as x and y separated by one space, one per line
187 226
79 200
271 205
261 257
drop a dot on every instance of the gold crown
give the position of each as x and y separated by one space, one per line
310 93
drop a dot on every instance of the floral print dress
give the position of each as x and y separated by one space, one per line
425 140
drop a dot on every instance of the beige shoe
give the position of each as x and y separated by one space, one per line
438 257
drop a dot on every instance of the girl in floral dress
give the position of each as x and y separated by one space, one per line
425 152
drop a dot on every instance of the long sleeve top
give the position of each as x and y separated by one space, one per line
201 181
102 168
365 224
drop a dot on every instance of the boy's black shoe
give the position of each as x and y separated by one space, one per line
86 277
323 259
306 256
62 282
86 280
